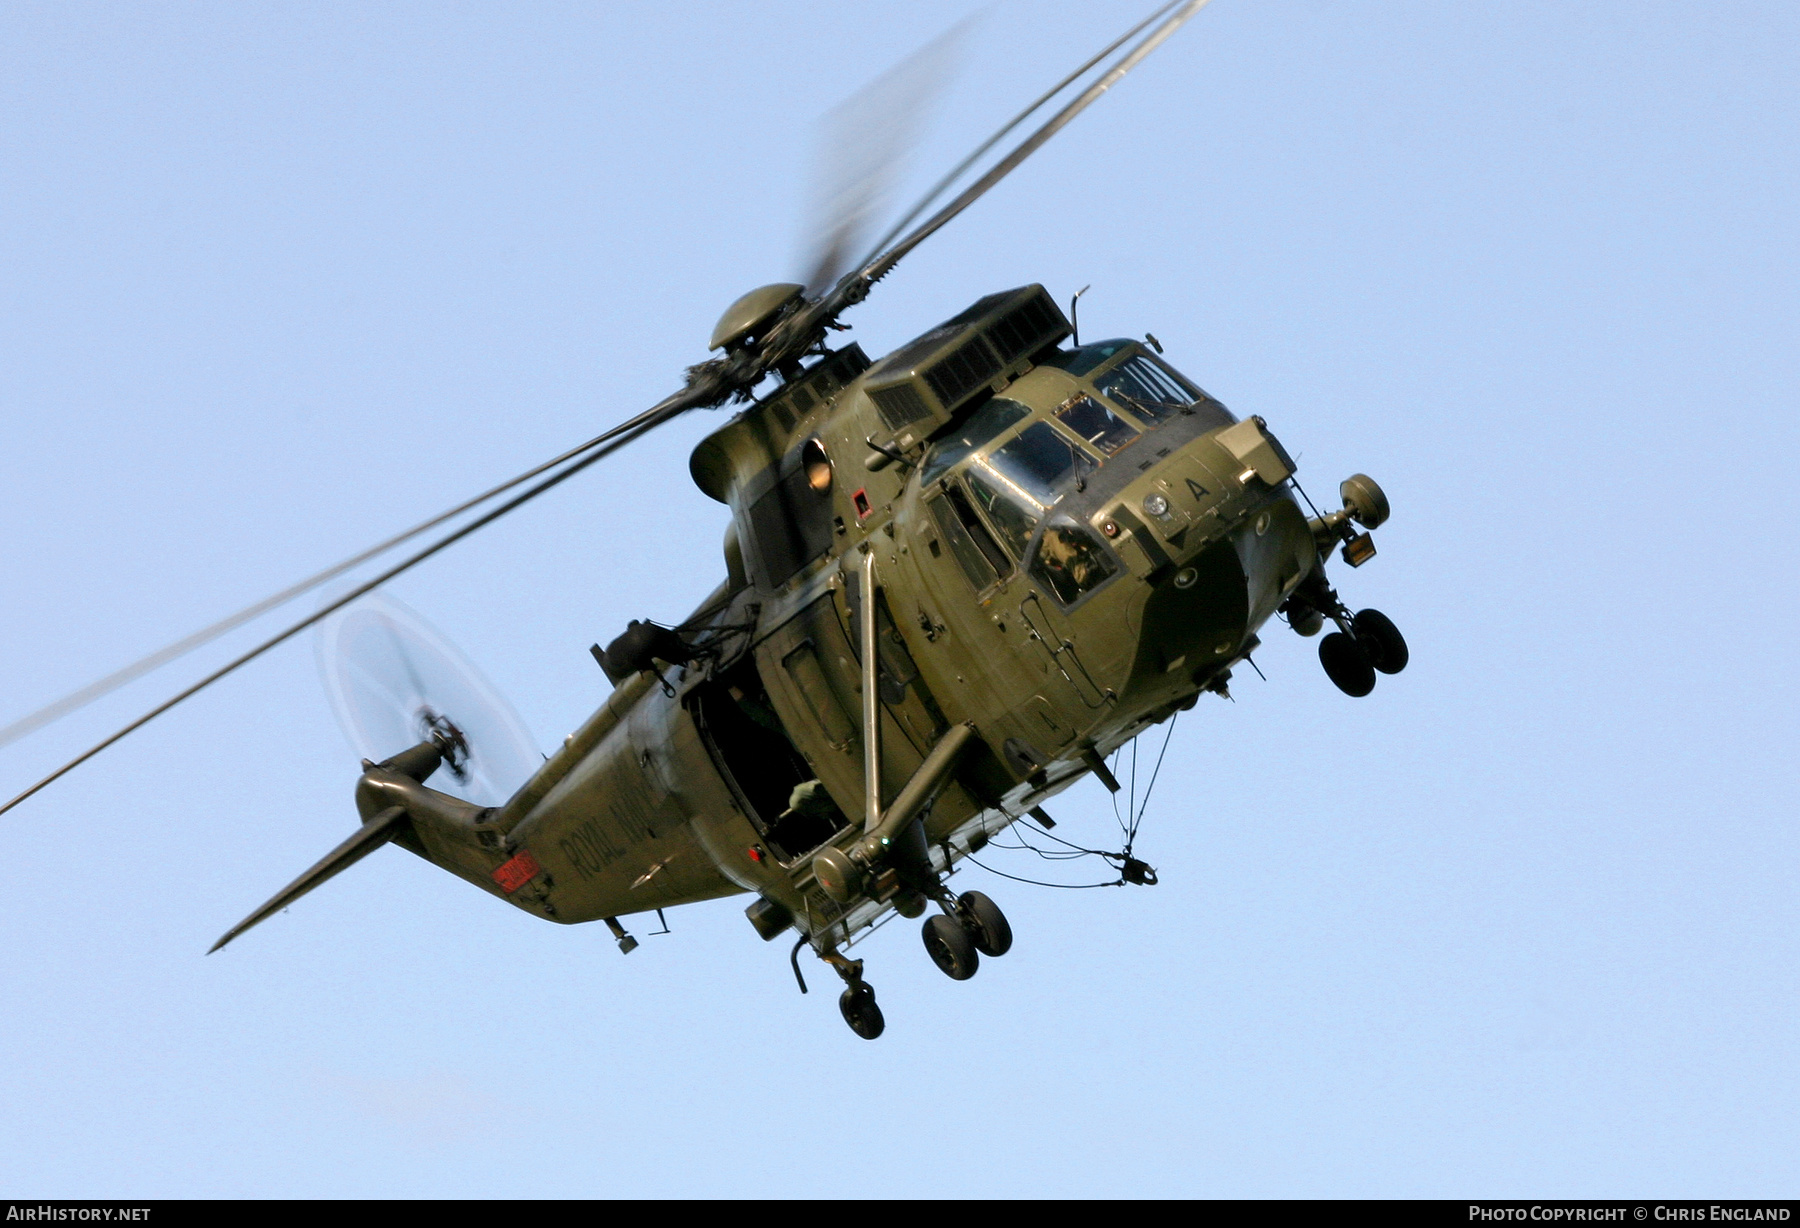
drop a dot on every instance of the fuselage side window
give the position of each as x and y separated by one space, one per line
1013 513
978 533
1039 464
974 562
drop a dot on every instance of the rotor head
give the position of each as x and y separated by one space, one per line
751 315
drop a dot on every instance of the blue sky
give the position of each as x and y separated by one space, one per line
281 279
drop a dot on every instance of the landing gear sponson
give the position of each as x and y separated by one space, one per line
1366 642
970 926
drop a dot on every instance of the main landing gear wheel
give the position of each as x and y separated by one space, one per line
1381 641
857 1003
1346 664
951 948
987 925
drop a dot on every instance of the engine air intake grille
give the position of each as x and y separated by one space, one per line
1028 328
925 384
900 406
963 372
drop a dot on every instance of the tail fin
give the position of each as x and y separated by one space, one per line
371 836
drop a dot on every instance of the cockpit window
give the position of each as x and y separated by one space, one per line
1085 359
985 423
1145 389
1070 561
1038 462
1097 424
1013 512
1151 391
1018 482
981 557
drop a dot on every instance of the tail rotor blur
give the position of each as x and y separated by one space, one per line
409 703
394 681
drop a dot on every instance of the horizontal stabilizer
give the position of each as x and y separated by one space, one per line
371 836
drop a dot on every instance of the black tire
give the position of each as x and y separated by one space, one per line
987 925
1346 665
1381 641
857 1005
951 948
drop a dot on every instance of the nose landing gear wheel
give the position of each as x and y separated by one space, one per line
1346 664
1381 641
951 948
857 1004
987 925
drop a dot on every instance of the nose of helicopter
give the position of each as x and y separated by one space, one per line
1204 610
1275 551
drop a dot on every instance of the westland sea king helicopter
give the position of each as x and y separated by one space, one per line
958 577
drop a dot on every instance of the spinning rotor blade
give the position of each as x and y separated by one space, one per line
180 648
863 143
805 327
879 266
956 172
605 445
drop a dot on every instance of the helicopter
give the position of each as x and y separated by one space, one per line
958 577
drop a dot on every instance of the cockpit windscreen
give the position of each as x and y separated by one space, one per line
984 424
1151 391
1097 424
1021 480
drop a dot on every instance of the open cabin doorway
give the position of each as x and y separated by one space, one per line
761 763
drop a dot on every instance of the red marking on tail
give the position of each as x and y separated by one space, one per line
516 873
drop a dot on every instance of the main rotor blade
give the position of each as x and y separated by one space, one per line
206 635
698 392
863 142
804 329
942 185
880 266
